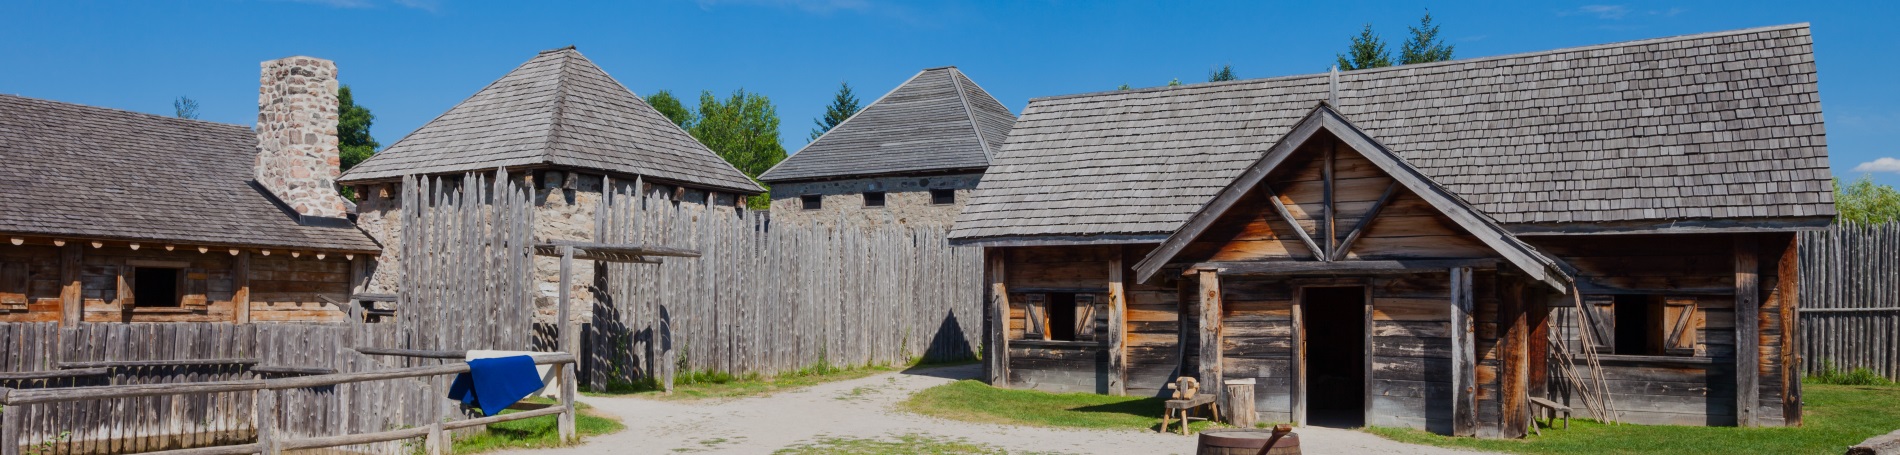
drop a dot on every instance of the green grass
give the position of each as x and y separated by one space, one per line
1835 417
974 401
538 432
905 444
709 385
1857 376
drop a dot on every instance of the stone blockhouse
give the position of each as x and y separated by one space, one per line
911 157
561 125
126 217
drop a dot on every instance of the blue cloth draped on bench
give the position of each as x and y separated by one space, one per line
494 384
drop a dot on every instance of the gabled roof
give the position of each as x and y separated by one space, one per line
1721 126
1322 117
88 172
557 109
938 120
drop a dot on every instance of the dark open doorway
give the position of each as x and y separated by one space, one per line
1335 356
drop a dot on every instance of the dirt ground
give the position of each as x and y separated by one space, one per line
864 408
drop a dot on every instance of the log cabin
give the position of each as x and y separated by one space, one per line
911 157
1426 246
116 216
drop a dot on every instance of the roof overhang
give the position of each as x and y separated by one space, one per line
1688 226
1060 240
1322 117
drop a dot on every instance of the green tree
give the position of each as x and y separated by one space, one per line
352 129
672 108
1367 51
185 108
1424 45
1225 73
1123 87
842 106
1866 202
742 129
1176 82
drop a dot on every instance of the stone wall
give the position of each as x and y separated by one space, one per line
297 154
906 200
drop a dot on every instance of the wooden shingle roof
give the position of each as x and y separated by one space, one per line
558 109
1720 126
938 120
87 172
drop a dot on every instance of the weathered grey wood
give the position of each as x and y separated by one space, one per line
1464 410
1359 228
999 321
53 374
1747 323
71 302
363 438
265 414
1298 375
499 418
418 353
154 363
10 422
1117 328
566 420
1328 230
1210 330
241 287
291 370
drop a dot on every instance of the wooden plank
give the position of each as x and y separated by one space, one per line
1359 228
1747 323
1463 356
1328 229
72 307
1210 330
1298 376
1117 328
1281 268
999 318
241 283
1280 208
1514 360
11 419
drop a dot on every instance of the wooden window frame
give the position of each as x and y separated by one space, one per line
811 202
1675 335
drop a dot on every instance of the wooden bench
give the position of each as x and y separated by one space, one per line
1553 409
1186 407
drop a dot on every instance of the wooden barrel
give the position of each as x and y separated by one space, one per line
1243 441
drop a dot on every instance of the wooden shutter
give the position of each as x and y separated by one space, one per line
13 286
1680 322
1600 313
1084 317
1035 316
192 285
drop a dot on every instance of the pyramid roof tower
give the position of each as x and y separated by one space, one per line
937 121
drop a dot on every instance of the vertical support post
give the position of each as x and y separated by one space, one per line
999 319
437 442
1326 226
1464 390
264 414
1117 327
566 333
72 305
1368 349
1513 362
9 427
241 287
567 403
1210 331
1790 289
1298 365
1747 324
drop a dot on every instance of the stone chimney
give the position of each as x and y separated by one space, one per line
297 154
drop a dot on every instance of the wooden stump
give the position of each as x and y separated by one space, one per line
1240 404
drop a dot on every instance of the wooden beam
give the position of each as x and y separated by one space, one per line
1327 213
1514 359
241 287
1464 389
569 343
1287 216
1276 268
998 357
72 304
1359 228
1789 276
1210 330
1117 327
1747 326
1298 365
1366 312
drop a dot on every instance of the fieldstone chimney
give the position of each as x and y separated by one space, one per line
297 154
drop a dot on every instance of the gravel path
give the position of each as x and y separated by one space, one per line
863 408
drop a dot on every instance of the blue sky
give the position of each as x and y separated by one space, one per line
409 60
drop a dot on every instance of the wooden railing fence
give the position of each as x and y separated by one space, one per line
1850 298
770 299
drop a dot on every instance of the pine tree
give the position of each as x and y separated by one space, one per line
843 105
1367 51
1225 73
671 107
1123 87
352 129
1176 82
185 108
1424 45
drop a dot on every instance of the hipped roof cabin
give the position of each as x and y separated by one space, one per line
1427 246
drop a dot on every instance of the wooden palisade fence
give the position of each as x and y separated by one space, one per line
1850 298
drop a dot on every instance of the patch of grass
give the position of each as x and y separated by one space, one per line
1857 376
538 432
904 444
974 401
1835 417
697 385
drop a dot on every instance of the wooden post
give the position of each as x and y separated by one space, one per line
241 287
72 303
565 331
1298 365
9 427
1210 331
437 442
264 414
1117 330
999 320
1464 390
1326 225
1513 360
567 403
1240 403
1790 286
1747 325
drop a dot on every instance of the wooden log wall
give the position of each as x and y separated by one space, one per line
131 425
282 288
769 299
467 263
1850 299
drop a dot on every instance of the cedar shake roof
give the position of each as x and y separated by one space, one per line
558 109
89 172
1719 126
939 120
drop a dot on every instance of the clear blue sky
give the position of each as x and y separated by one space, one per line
409 60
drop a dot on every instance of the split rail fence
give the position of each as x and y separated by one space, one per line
1850 298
